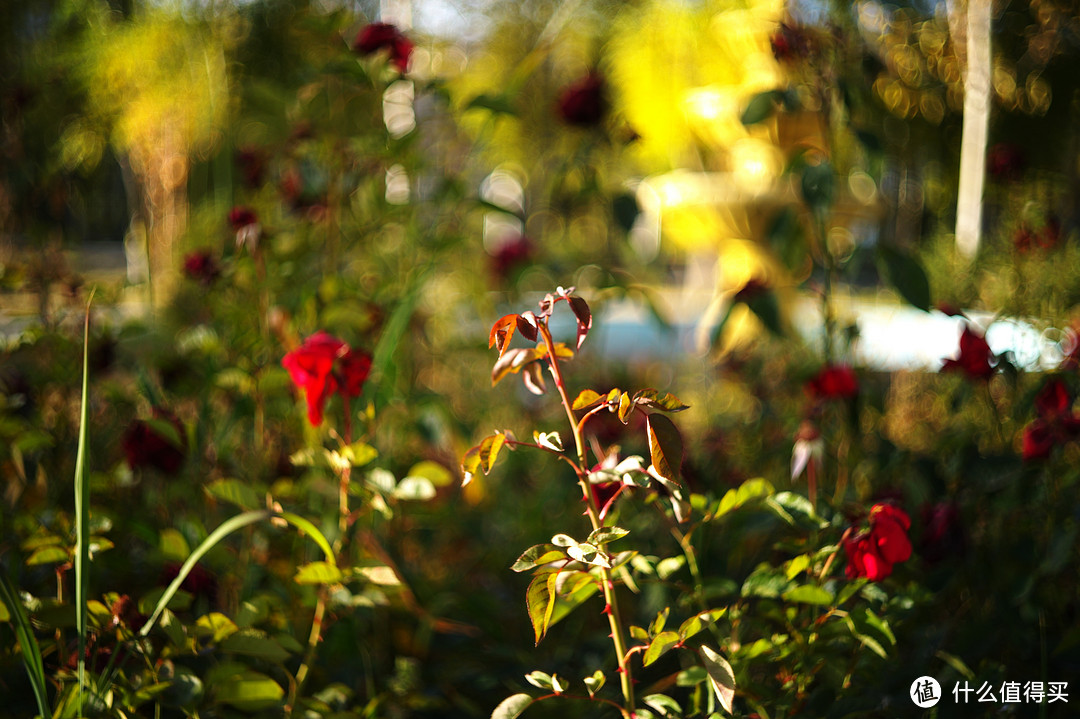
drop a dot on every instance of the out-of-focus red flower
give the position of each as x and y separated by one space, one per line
1051 233
1024 238
199 582
834 382
240 217
1005 161
201 267
384 36
1055 423
146 444
943 534
324 365
974 357
252 165
790 43
510 255
125 613
951 310
872 553
583 103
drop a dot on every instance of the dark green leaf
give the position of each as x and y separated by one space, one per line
761 107
906 274
819 187
624 208
497 104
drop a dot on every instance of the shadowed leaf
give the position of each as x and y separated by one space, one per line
665 447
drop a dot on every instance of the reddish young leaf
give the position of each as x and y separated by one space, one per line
665 446
584 318
528 325
501 333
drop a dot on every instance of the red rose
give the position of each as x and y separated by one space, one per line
199 582
252 165
510 255
201 267
872 553
150 444
974 357
384 36
1054 424
324 365
1005 162
583 103
241 217
834 382
790 43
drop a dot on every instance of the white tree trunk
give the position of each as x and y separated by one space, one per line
976 124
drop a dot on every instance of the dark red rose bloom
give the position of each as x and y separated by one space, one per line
510 255
1005 161
241 217
252 165
384 36
834 382
1055 423
324 365
199 582
872 553
943 533
790 43
1024 238
584 102
146 445
974 357
201 267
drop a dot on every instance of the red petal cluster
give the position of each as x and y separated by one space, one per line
201 267
1055 422
583 103
146 447
834 382
240 217
974 357
873 552
384 36
324 365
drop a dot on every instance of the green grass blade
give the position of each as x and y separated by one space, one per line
31 651
82 514
225 529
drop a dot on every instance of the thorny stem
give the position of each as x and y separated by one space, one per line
626 679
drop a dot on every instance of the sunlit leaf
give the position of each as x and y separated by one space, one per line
248 691
502 332
539 679
626 406
536 555
809 594
603 535
550 440
664 704
528 325
586 398
595 682
540 601
654 400
318 573
512 707
234 492
216 626
665 446
437 474
659 646
721 677
48 555
584 317
698 622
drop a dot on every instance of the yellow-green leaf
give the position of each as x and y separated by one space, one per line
318 573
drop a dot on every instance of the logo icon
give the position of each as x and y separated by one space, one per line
925 692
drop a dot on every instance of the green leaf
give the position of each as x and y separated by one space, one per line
437 474
540 601
489 450
603 535
48 555
216 625
654 400
415 489
28 644
691 677
790 506
721 677
749 490
512 707
956 663
808 594
318 573
785 236
819 187
254 644
595 682
536 555
904 272
626 406
665 446
698 622
235 492
586 398
765 306
359 454
660 622
248 691
589 554
539 679
624 208
82 511
659 646
663 704
761 107
496 104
